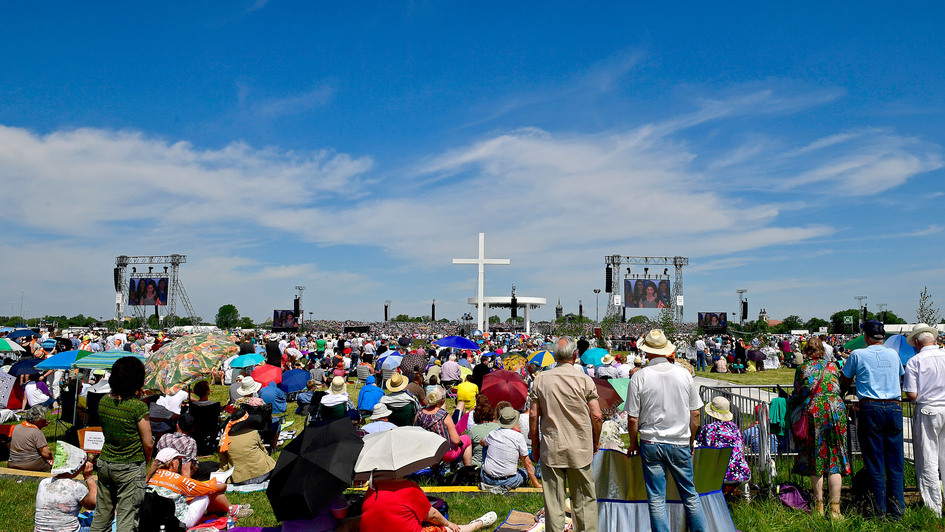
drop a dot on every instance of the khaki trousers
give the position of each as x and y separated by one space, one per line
580 486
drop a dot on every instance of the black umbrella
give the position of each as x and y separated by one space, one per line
313 469
25 367
756 355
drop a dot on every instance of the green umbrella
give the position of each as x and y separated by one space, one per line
103 360
621 386
187 359
857 343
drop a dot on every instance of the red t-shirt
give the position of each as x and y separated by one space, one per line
394 506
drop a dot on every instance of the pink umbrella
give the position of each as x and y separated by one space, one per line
505 385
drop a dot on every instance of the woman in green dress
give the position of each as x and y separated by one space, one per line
824 452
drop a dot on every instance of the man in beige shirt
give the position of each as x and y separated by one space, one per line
564 404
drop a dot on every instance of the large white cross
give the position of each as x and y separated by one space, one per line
481 261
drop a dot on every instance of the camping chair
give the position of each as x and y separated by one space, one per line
67 405
403 416
363 372
207 431
91 409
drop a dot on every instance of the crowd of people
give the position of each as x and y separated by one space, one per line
547 441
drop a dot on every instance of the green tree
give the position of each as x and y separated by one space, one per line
790 323
227 317
247 323
888 316
814 324
927 313
665 320
638 319
836 320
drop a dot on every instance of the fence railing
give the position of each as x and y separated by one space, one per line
765 452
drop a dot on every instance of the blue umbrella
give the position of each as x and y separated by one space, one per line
25 367
5 329
898 343
458 342
21 333
63 360
593 356
391 362
248 360
294 380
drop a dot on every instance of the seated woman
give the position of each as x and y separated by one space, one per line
435 419
28 447
202 391
60 498
484 415
192 498
400 505
725 433
37 393
336 403
242 448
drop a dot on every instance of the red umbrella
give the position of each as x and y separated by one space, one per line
505 385
607 395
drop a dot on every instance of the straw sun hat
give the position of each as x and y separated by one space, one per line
655 343
720 409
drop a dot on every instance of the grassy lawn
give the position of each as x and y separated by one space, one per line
776 376
17 502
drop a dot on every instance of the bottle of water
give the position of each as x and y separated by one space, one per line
230 521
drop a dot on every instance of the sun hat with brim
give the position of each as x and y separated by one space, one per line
607 359
719 408
380 412
396 383
248 386
655 343
337 386
919 329
508 417
167 454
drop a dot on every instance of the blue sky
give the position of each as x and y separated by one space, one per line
794 151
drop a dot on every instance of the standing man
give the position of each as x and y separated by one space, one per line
877 370
564 405
663 409
700 354
925 386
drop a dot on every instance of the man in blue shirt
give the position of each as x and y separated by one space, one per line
369 396
877 371
272 395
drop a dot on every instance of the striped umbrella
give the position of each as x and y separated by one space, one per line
9 346
104 359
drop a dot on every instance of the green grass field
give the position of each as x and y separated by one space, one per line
18 496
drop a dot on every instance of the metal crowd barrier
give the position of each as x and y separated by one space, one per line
771 458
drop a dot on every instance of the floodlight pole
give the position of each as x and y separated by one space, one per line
597 304
741 297
862 315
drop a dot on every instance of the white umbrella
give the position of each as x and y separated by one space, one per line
398 452
392 362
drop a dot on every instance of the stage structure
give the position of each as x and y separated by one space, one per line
615 278
169 269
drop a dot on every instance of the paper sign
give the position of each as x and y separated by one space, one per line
222 476
94 441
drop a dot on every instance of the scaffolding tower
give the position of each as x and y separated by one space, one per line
614 265
175 288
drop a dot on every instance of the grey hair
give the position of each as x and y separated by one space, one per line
565 348
36 413
925 338
453 357
436 396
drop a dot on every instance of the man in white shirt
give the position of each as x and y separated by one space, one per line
663 409
924 384
700 354
503 448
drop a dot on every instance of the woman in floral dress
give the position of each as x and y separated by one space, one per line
824 453
725 433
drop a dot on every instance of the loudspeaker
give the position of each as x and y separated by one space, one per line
433 312
609 280
744 310
296 307
118 279
514 308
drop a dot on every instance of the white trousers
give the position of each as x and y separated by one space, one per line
928 435
195 510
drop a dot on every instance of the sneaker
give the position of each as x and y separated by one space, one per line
239 511
488 519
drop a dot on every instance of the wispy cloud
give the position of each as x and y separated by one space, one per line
269 108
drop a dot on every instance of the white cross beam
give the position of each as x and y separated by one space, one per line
481 261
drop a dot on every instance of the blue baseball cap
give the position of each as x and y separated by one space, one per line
874 330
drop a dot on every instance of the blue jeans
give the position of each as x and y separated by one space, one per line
677 459
700 360
512 482
879 429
